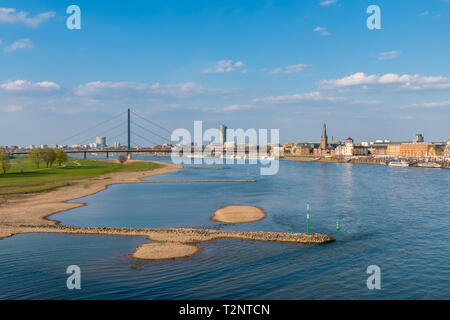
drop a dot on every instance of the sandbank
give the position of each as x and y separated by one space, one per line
164 251
238 214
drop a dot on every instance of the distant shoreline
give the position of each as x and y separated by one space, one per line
345 160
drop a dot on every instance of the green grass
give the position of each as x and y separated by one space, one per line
45 179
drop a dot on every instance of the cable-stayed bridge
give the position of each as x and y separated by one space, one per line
128 131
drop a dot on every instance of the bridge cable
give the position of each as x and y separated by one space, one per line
103 133
148 140
150 131
115 137
90 128
153 123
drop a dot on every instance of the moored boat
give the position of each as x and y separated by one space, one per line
429 165
398 164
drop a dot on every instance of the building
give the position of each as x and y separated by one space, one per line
324 148
420 149
324 139
223 134
116 145
303 149
378 149
100 141
349 146
418 138
230 145
393 149
447 149
349 149
411 149
288 147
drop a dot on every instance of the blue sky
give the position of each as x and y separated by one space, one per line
248 64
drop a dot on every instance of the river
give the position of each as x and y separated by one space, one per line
395 218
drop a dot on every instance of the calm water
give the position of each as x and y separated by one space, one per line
396 218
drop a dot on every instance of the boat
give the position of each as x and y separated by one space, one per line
429 165
398 164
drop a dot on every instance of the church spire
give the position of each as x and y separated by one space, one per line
324 140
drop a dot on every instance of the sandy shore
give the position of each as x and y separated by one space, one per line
179 181
238 214
33 209
29 214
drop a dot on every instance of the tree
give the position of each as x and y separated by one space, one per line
60 157
4 161
35 156
49 156
122 159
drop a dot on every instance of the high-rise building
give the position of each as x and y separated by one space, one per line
223 134
418 138
116 145
100 141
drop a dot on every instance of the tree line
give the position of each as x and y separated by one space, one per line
36 156
48 156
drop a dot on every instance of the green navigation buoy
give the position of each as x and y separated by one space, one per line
307 218
337 225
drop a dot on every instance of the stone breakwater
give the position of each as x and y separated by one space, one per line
180 242
183 235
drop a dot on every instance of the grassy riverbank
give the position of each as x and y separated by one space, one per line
33 179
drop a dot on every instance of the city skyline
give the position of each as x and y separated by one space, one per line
226 63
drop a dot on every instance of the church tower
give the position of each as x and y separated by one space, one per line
324 141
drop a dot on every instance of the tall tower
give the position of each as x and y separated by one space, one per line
223 134
324 140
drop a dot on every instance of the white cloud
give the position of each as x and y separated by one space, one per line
296 98
236 107
107 95
224 66
425 13
362 82
144 90
290 69
226 109
11 108
19 44
322 30
438 104
326 3
389 55
25 85
11 16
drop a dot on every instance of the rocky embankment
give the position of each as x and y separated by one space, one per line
174 242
